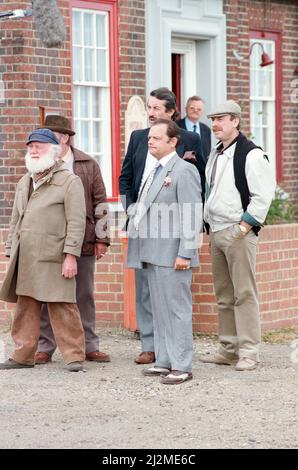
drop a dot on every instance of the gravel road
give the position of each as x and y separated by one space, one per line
113 406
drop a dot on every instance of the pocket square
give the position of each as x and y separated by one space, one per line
190 155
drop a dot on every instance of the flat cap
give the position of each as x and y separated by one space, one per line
228 107
43 135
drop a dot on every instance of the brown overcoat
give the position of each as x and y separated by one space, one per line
42 230
88 170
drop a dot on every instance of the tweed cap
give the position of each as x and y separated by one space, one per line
228 107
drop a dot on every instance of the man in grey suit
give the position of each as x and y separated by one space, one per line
136 167
163 231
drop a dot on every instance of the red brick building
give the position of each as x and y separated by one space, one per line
116 49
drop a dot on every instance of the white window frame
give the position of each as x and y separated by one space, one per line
268 143
103 153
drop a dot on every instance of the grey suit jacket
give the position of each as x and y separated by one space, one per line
172 219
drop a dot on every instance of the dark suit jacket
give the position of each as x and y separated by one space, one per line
205 136
135 159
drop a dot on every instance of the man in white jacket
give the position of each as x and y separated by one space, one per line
239 189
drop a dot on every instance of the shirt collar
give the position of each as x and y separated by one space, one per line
189 124
164 160
68 156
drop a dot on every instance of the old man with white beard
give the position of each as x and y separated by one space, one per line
45 237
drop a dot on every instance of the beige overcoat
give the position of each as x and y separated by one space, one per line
42 230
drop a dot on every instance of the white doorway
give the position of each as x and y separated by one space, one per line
184 67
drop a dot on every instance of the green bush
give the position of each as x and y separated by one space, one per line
282 211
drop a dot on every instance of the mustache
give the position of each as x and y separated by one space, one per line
214 129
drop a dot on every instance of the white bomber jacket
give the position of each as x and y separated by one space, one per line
223 206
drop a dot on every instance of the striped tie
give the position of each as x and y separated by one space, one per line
143 193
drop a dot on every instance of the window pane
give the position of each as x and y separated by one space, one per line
96 109
88 29
100 31
265 83
85 135
77 63
84 102
89 67
257 136
256 113
96 137
76 27
101 66
77 128
265 113
253 83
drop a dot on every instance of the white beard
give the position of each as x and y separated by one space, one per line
46 161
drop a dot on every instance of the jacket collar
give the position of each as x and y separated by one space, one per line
158 183
229 150
58 167
78 155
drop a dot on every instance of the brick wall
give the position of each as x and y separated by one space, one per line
33 76
277 278
277 16
132 66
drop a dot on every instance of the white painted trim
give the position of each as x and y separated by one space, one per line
207 27
186 47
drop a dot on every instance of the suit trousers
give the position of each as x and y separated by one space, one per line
144 310
171 298
233 265
66 323
86 305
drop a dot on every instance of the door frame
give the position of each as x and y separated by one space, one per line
187 49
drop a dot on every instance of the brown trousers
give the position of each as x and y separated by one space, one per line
66 323
86 305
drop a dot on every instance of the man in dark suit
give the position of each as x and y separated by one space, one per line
137 166
194 111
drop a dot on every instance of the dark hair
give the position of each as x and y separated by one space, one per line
172 129
169 98
194 98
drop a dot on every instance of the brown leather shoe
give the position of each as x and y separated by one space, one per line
98 356
42 358
176 377
146 357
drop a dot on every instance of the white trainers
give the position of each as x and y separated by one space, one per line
245 363
75 367
218 358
